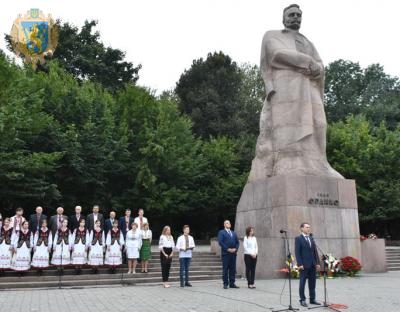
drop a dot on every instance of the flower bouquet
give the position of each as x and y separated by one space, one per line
351 266
332 265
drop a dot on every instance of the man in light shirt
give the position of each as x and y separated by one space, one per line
140 219
185 246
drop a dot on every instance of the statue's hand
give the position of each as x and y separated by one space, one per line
315 70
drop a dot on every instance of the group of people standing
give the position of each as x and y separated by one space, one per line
88 241
305 250
75 240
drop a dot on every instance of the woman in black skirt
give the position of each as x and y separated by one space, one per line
166 246
250 255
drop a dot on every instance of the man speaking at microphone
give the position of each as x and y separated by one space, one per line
308 262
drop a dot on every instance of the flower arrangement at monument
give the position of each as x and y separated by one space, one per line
369 236
332 265
294 269
351 266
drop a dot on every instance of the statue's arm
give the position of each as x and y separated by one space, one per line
281 57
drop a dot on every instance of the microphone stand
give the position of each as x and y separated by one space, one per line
60 267
289 259
325 303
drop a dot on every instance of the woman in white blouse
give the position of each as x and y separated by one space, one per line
250 255
133 243
166 246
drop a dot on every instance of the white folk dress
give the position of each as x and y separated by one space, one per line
61 248
5 248
80 243
22 243
96 248
42 242
114 243
133 243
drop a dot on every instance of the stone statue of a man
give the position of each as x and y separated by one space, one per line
292 136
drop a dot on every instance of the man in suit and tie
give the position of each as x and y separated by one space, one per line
109 222
125 222
75 219
229 243
308 262
56 221
35 220
93 217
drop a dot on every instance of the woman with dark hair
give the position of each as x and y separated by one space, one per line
97 245
250 256
22 244
5 245
114 242
80 245
42 242
62 244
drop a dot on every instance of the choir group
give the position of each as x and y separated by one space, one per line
88 241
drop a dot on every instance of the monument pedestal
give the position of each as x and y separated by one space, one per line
284 202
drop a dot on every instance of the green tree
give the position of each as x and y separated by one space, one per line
352 90
208 92
368 154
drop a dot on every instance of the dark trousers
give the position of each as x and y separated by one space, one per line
228 269
250 263
184 264
165 264
311 275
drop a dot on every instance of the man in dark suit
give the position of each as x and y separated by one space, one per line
125 222
109 222
75 219
93 217
35 220
56 221
229 243
308 261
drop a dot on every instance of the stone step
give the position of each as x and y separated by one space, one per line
119 275
394 261
397 268
72 271
100 282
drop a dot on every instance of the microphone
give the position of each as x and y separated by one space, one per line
282 231
311 235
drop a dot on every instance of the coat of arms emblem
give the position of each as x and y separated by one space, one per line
34 36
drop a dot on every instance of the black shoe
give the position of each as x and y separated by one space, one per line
225 286
233 286
315 302
188 284
182 285
303 304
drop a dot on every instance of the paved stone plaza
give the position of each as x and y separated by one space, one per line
371 292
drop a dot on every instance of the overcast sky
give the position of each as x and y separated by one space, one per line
166 35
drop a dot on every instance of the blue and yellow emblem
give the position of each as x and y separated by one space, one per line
34 35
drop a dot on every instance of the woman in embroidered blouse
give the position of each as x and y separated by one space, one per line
250 255
80 244
42 243
97 246
114 242
166 246
22 244
145 251
62 246
133 243
5 245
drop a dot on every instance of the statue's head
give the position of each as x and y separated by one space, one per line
292 17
